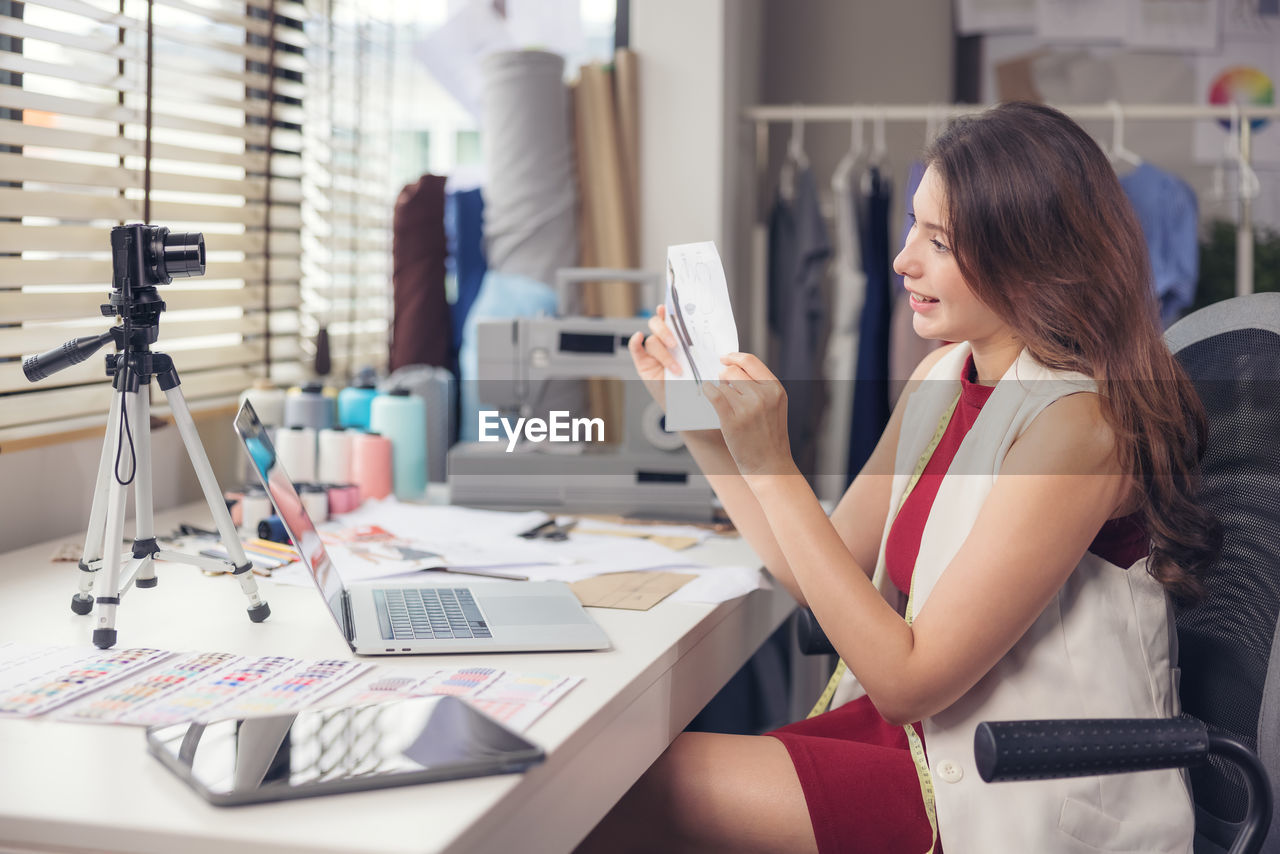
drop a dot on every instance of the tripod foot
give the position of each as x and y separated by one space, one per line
81 604
104 638
145 582
258 613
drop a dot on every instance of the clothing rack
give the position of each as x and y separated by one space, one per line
1239 115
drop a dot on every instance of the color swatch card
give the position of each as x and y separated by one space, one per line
133 694
224 684
295 689
519 699
460 681
71 680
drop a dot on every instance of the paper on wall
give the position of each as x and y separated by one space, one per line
700 316
1173 24
975 17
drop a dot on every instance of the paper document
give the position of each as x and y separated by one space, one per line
700 316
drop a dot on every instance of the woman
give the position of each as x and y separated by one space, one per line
1029 510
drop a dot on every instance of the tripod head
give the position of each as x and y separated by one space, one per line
142 257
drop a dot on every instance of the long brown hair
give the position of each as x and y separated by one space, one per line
1045 237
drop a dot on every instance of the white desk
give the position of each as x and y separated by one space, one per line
77 787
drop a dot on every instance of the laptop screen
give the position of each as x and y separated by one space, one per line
284 497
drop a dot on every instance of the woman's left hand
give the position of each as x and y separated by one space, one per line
752 406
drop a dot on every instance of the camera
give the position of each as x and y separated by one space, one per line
142 256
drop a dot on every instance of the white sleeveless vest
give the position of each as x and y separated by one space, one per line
1102 648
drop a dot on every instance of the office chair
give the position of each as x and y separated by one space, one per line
1229 732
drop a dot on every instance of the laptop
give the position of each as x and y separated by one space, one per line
398 616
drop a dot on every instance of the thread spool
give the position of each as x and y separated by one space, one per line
371 465
354 403
315 500
267 400
296 452
402 418
333 463
351 496
271 528
343 498
308 406
254 507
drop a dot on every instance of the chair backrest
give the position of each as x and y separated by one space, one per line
1228 643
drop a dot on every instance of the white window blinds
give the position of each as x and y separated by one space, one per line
75 160
348 197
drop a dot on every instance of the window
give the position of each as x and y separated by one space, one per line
78 104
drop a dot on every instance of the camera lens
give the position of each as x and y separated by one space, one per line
183 255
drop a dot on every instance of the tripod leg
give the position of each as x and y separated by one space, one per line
82 601
144 539
104 632
258 609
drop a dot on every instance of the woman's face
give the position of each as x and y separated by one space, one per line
944 307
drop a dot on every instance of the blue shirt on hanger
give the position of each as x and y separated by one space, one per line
1170 217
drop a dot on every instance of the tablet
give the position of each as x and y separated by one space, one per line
326 751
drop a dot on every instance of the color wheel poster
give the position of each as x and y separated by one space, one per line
1245 73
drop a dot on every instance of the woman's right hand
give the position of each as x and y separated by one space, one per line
652 355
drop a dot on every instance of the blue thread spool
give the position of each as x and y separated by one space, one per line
355 401
271 528
402 418
308 406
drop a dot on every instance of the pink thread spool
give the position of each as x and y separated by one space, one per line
343 498
371 465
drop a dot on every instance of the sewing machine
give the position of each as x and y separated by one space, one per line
533 367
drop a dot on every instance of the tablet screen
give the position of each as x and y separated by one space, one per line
323 751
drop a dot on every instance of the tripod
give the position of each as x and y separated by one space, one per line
142 257
133 371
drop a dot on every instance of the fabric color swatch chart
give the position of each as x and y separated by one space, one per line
151 686
67 681
516 699
132 695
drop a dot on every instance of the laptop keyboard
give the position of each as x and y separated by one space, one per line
429 612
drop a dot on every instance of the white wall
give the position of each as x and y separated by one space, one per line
47 491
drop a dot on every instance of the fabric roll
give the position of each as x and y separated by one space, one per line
871 389
421 332
464 230
530 200
798 253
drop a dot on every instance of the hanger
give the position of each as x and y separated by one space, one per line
852 158
1118 152
1249 185
879 151
794 161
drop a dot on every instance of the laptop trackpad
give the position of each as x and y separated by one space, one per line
531 611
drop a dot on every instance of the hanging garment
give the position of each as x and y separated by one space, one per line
1170 217
798 252
906 348
464 226
421 333
848 291
871 388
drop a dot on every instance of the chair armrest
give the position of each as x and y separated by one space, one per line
1041 750
810 637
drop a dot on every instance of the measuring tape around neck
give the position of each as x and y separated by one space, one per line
913 740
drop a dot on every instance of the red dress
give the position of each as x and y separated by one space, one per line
855 768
